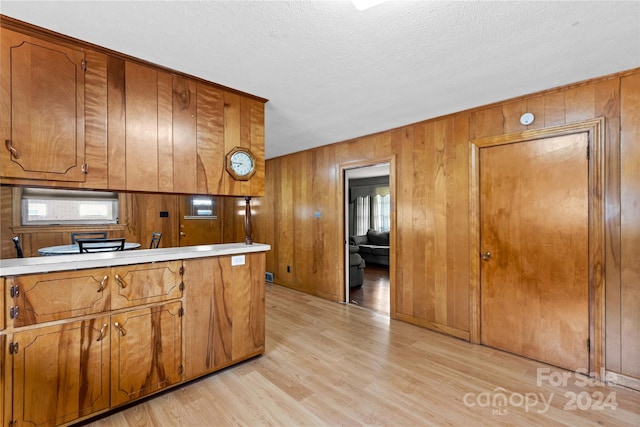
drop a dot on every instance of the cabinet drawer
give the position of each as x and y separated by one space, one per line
146 283
38 298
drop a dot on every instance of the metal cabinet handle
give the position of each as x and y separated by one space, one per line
103 282
102 331
121 282
120 329
14 152
486 256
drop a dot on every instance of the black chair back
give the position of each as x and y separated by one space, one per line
16 243
155 239
101 245
87 235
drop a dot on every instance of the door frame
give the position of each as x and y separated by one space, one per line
596 227
342 173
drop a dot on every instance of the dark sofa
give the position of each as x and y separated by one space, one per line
356 267
373 247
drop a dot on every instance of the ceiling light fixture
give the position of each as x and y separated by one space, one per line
366 4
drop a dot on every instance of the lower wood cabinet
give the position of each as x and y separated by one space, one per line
134 285
90 340
2 283
60 373
146 351
5 384
40 298
224 320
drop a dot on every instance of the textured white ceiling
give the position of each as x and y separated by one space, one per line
332 72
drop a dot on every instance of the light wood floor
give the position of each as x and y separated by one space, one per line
374 292
329 364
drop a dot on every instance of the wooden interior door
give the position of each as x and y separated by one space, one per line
534 241
198 230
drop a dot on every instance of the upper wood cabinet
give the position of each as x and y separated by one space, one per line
135 123
170 133
42 109
92 118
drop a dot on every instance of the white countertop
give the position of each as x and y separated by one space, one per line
44 264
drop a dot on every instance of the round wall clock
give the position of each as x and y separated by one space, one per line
241 164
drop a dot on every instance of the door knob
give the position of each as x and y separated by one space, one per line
486 256
182 233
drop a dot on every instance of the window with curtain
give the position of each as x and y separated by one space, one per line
382 212
362 214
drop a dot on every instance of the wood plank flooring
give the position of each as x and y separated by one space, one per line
374 292
329 364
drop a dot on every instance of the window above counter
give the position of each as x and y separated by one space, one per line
48 206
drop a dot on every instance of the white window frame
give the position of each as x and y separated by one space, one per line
65 207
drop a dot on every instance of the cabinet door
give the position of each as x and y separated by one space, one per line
211 148
61 295
146 283
5 383
42 109
239 308
200 278
224 320
2 307
146 351
185 152
61 373
148 127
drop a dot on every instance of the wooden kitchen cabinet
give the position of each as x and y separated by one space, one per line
60 372
2 324
89 340
5 383
184 143
138 125
39 298
146 353
88 117
227 120
145 122
224 321
42 109
146 283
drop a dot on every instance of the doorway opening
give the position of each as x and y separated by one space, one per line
368 221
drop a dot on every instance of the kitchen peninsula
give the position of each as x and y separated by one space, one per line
86 333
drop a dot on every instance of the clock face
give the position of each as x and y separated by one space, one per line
241 163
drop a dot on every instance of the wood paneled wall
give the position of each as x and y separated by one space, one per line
623 353
430 183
